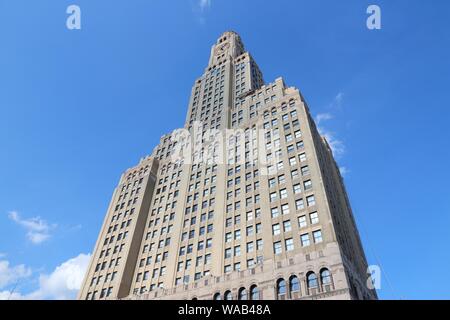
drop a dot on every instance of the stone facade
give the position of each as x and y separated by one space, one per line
270 222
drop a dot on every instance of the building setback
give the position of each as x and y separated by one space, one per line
259 212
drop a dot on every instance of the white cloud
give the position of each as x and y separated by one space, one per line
336 145
38 230
323 116
344 171
337 101
204 4
8 295
11 275
62 284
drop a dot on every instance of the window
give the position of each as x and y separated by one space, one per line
274 212
311 201
302 157
276 229
272 183
217 296
285 209
305 170
292 161
283 194
273 196
294 285
304 239
277 247
325 276
317 235
302 221
281 287
297 188
299 204
227 253
287 226
250 246
289 244
311 280
254 292
259 244
227 295
314 217
207 258
242 294
307 185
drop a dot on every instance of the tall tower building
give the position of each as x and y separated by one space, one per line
245 202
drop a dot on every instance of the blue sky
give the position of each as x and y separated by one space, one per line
78 107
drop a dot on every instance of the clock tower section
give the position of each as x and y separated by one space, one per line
228 45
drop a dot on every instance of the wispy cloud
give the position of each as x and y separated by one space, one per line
344 171
199 9
323 117
38 230
61 284
336 145
9 275
204 4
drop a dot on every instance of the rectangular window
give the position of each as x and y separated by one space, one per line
285 209
299 204
302 222
317 235
314 217
277 247
307 185
289 244
304 239
287 226
276 229
311 201
274 212
259 244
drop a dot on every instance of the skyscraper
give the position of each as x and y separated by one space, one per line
245 202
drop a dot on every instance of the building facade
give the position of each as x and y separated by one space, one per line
245 202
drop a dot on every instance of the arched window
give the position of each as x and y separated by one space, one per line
242 294
294 284
311 279
217 296
281 287
194 298
325 276
254 292
227 295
